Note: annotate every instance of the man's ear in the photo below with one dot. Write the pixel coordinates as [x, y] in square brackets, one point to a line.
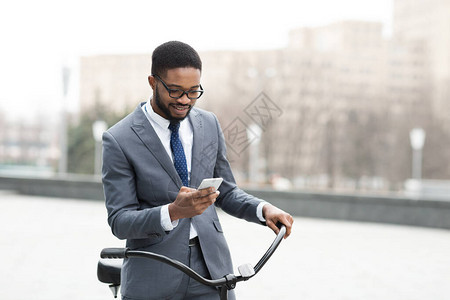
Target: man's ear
[152, 81]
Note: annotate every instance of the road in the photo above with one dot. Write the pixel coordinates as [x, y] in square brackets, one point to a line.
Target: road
[50, 248]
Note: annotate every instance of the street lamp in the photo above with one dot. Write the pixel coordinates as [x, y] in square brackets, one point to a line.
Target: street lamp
[254, 160]
[98, 127]
[417, 139]
[62, 168]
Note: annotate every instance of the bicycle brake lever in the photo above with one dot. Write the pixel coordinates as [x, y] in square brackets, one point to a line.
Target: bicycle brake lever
[246, 270]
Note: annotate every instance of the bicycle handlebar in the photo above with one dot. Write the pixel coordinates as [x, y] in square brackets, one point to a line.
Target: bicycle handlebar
[228, 280]
[114, 253]
[271, 249]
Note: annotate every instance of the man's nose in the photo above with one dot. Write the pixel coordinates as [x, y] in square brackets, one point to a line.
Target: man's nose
[184, 99]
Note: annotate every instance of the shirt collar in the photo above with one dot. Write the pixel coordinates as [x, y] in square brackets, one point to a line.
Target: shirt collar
[164, 123]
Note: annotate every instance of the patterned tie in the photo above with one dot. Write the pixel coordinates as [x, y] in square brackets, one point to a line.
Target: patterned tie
[179, 159]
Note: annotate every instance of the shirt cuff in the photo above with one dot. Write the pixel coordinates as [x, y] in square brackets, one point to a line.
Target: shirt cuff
[166, 224]
[259, 212]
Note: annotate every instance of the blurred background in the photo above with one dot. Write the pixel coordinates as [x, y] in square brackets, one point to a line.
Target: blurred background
[330, 110]
[334, 91]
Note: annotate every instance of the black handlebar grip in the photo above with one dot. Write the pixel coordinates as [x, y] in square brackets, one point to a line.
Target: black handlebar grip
[114, 253]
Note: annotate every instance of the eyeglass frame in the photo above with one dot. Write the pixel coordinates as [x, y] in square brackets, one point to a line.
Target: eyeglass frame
[169, 90]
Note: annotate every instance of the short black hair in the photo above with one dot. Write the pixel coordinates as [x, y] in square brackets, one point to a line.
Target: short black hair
[174, 54]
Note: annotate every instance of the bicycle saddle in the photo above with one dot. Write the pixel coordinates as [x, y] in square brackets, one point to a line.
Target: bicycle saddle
[108, 271]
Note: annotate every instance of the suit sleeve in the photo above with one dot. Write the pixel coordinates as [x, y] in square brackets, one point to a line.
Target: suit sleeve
[232, 199]
[125, 217]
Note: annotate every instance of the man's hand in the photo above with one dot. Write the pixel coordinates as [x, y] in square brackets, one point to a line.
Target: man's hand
[273, 215]
[191, 202]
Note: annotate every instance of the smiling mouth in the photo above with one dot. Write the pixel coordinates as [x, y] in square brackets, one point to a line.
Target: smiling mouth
[181, 107]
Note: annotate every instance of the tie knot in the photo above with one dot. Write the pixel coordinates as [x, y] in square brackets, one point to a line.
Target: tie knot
[174, 126]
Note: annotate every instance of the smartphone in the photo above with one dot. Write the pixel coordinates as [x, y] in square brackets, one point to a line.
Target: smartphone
[210, 182]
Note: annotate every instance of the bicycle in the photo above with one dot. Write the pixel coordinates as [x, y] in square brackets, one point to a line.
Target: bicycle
[109, 273]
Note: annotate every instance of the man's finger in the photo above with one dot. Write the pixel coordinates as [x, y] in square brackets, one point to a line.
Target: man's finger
[206, 191]
[272, 226]
[288, 231]
[186, 189]
[287, 222]
[209, 196]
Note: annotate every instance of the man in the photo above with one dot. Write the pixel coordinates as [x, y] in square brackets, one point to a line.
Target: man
[153, 160]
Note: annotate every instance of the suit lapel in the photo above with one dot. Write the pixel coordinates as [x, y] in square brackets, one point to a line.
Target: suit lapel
[195, 117]
[144, 130]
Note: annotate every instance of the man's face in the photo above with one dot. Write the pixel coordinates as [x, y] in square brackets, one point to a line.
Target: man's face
[187, 79]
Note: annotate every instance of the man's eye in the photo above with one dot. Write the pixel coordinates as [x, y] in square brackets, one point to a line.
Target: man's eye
[176, 93]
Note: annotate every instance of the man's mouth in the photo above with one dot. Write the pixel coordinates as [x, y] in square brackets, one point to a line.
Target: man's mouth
[181, 107]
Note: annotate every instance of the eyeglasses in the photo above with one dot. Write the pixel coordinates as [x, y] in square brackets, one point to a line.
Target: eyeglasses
[177, 93]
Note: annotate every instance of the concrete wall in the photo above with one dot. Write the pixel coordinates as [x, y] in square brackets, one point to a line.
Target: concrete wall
[70, 186]
[394, 210]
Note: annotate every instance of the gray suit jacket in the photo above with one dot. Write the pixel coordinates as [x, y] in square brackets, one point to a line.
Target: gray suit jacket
[139, 177]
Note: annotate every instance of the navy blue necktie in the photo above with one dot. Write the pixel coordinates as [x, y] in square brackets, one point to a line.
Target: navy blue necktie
[179, 159]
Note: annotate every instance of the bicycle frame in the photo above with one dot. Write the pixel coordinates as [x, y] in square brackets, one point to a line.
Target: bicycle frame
[226, 283]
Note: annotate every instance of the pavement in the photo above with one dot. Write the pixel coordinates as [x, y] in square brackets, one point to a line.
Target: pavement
[50, 248]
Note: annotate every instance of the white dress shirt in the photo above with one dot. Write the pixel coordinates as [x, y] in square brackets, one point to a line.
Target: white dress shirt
[186, 134]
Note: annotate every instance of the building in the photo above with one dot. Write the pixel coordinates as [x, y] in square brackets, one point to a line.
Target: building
[428, 23]
[336, 104]
[28, 147]
[117, 81]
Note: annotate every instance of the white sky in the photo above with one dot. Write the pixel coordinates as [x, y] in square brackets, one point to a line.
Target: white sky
[38, 37]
